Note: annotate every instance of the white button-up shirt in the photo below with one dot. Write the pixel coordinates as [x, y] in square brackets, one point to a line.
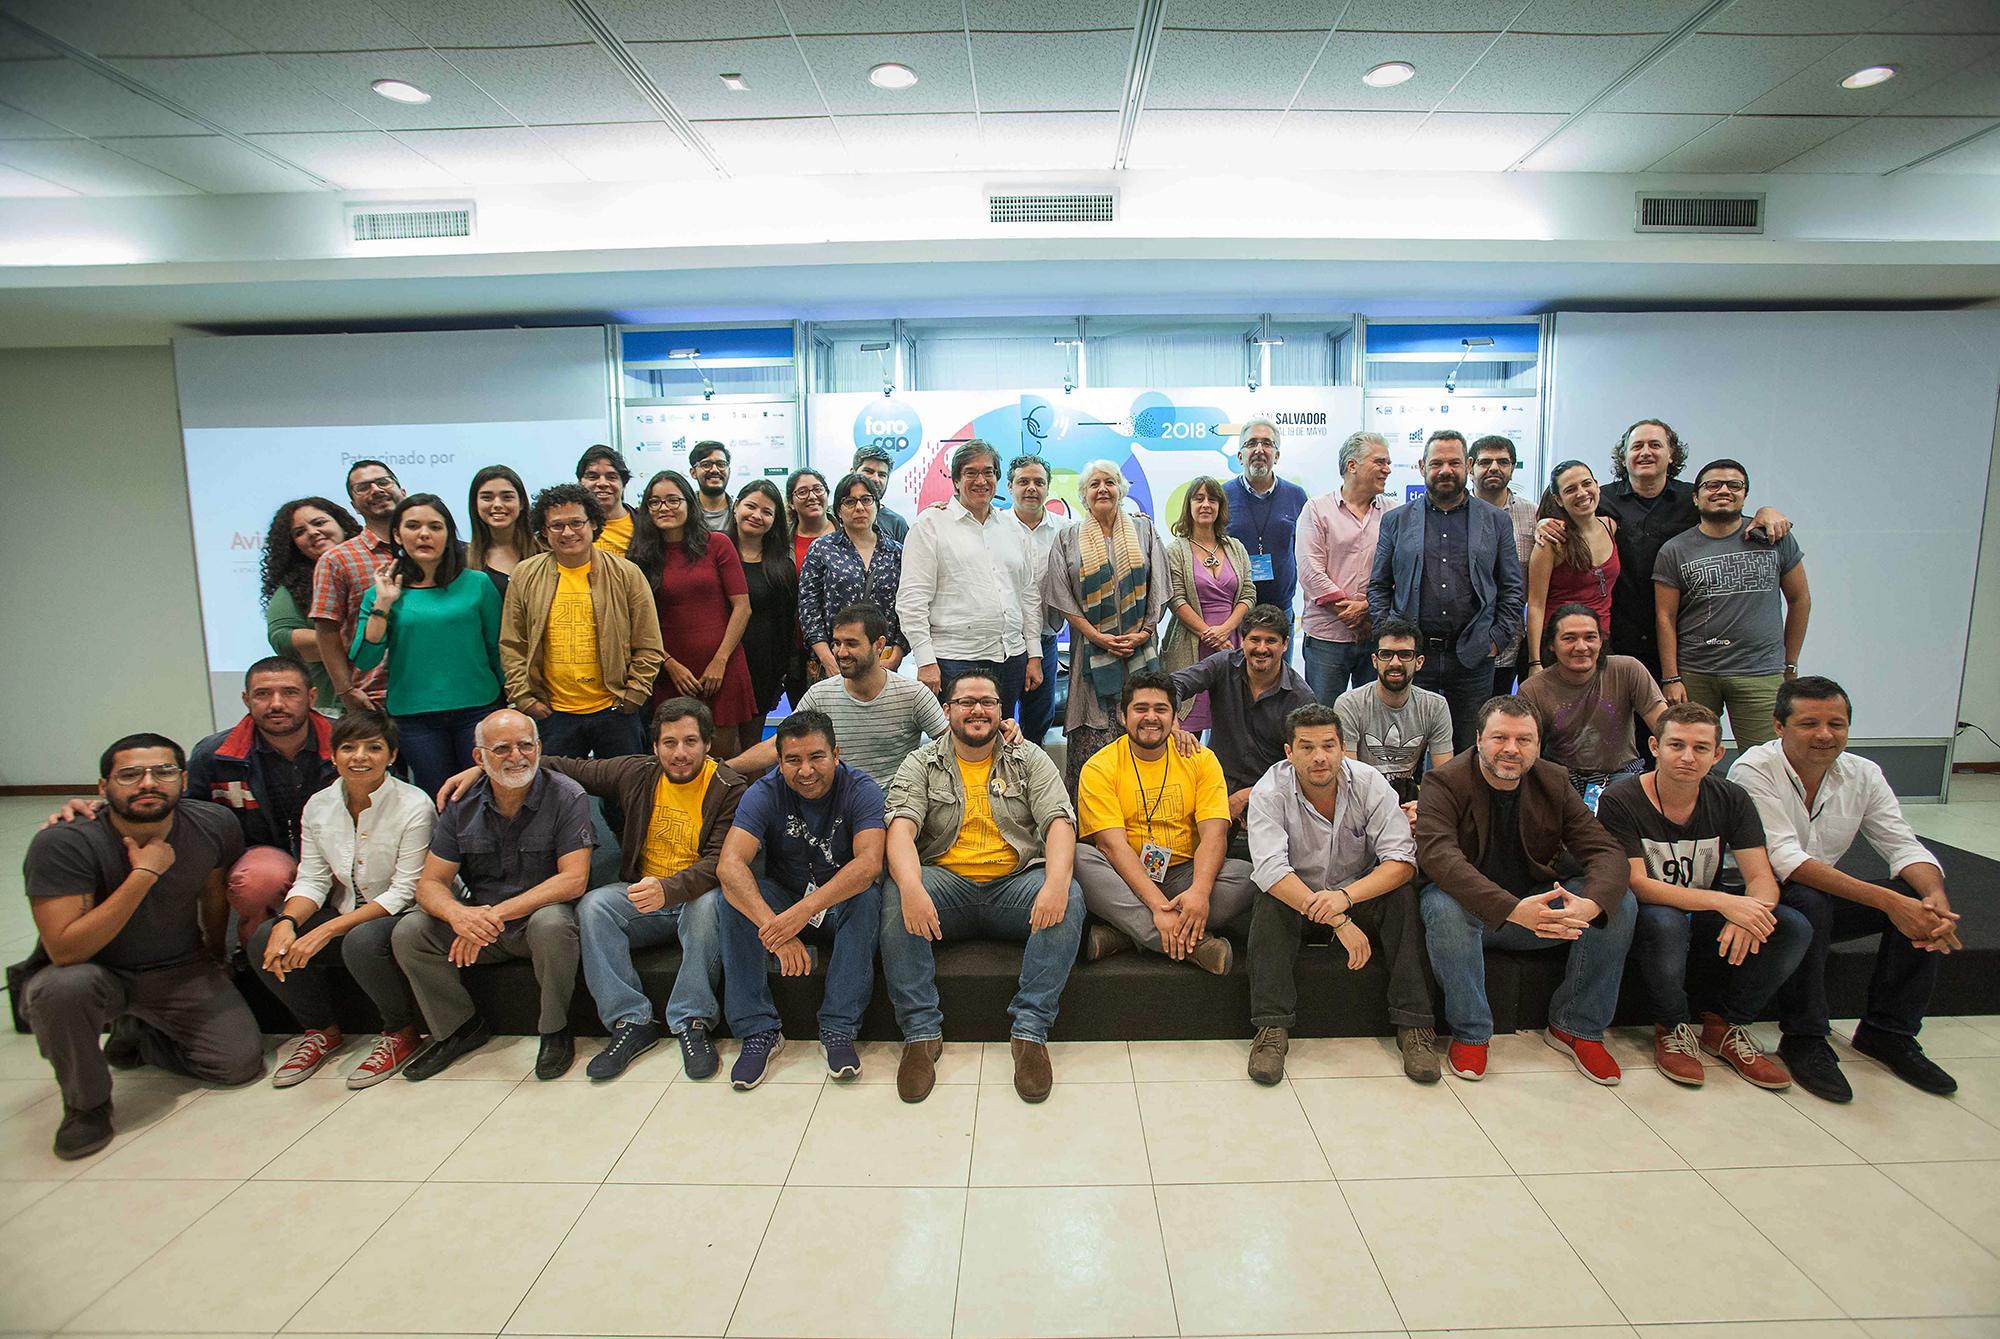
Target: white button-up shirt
[1854, 800]
[969, 588]
[376, 859]
[1043, 537]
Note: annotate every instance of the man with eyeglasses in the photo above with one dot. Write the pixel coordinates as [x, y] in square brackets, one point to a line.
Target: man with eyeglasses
[345, 574]
[1028, 490]
[982, 841]
[1731, 608]
[603, 473]
[1264, 514]
[1391, 724]
[709, 463]
[970, 598]
[875, 463]
[131, 911]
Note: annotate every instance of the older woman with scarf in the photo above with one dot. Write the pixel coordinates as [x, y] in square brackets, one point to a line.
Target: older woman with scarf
[1108, 575]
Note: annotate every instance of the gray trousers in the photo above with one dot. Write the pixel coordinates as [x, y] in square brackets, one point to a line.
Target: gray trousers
[192, 1019]
[1109, 898]
[370, 961]
[548, 938]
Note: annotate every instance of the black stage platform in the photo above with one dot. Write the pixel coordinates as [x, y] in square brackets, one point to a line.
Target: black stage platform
[1143, 997]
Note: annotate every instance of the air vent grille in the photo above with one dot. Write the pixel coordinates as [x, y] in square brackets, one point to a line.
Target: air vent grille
[1083, 207]
[407, 225]
[1700, 213]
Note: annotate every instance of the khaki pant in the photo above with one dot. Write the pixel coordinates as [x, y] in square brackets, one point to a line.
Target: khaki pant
[1751, 699]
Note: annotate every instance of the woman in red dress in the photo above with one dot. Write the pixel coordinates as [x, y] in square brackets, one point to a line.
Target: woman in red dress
[704, 605]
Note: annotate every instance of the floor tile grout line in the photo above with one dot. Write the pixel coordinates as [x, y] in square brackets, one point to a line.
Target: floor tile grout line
[1153, 1185]
[965, 1205]
[554, 1251]
[772, 1217]
[1348, 1204]
[1782, 1252]
[1575, 1254]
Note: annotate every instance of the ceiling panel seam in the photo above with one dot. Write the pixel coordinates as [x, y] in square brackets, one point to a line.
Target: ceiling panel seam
[1138, 75]
[1466, 74]
[1939, 153]
[799, 47]
[655, 96]
[1313, 64]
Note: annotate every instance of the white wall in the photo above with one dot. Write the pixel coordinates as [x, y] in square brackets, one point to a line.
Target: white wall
[102, 626]
[1981, 703]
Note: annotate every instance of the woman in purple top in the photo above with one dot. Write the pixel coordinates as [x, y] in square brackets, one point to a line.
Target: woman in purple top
[1212, 589]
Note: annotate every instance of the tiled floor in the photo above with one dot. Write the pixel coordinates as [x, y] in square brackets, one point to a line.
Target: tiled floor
[1158, 1192]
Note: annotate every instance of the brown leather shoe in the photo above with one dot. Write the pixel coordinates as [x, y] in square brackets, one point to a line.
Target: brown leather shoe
[1033, 1076]
[1101, 941]
[917, 1074]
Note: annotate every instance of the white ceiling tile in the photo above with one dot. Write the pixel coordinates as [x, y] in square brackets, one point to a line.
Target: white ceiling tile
[1070, 72]
[1973, 91]
[493, 23]
[1751, 143]
[456, 102]
[921, 143]
[324, 25]
[835, 17]
[786, 145]
[558, 85]
[1545, 74]
[126, 27]
[17, 124]
[1803, 16]
[68, 95]
[18, 45]
[90, 169]
[691, 20]
[1048, 141]
[1430, 16]
[214, 163]
[637, 151]
[841, 65]
[499, 156]
[1944, 16]
[1321, 141]
[1051, 16]
[243, 93]
[1718, 74]
[18, 185]
[1608, 16]
[1238, 16]
[1442, 59]
[1883, 143]
[1469, 142]
[691, 74]
[1237, 71]
[1979, 158]
[1920, 60]
[365, 161]
[1204, 140]
[1617, 142]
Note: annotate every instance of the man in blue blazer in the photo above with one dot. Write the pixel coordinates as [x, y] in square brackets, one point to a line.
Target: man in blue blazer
[1446, 562]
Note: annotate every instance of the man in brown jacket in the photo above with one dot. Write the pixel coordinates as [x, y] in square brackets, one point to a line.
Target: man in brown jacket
[1514, 859]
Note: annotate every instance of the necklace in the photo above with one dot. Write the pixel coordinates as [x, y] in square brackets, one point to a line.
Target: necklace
[1210, 558]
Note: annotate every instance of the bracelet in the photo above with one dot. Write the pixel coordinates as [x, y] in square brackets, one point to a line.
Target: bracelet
[287, 919]
[1792, 668]
[1671, 678]
[1349, 899]
[1345, 919]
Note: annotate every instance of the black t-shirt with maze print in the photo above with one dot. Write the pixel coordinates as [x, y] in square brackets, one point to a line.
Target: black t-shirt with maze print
[1686, 855]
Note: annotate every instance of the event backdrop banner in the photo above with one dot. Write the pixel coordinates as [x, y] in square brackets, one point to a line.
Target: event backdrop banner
[762, 437]
[1162, 439]
[1408, 419]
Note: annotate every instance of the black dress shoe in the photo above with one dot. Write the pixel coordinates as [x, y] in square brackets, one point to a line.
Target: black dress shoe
[1905, 1059]
[1815, 1068]
[83, 1132]
[434, 1059]
[558, 1053]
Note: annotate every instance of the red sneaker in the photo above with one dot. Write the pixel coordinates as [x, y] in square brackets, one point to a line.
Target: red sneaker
[1592, 1060]
[1676, 1055]
[392, 1051]
[307, 1056]
[1740, 1051]
[1468, 1061]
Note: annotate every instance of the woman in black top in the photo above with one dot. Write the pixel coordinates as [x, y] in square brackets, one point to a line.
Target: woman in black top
[771, 641]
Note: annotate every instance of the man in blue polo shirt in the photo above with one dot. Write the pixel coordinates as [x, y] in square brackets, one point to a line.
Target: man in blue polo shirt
[819, 824]
[1264, 513]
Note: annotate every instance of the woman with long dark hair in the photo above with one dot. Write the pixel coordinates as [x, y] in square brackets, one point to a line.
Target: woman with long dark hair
[1580, 568]
[301, 531]
[756, 523]
[1208, 570]
[704, 606]
[497, 505]
[438, 622]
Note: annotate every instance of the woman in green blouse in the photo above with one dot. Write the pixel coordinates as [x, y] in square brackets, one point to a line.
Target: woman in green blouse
[438, 623]
[301, 531]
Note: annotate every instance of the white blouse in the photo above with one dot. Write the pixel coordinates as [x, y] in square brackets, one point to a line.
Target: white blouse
[374, 860]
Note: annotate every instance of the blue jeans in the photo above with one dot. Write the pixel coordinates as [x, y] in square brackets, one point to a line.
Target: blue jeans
[1582, 1006]
[1000, 910]
[1334, 667]
[854, 926]
[612, 929]
[436, 744]
[1011, 675]
[1465, 687]
[1038, 705]
[1590, 785]
[1661, 945]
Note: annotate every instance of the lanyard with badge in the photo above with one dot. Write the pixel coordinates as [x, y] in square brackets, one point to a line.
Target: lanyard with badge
[821, 842]
[1262, 566]
[1152, 855]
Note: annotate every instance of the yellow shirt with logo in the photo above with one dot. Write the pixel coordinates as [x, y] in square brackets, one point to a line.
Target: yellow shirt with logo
[673, 837]
[617, 535]
[569, 647]
[1117, 790]
[980, 854]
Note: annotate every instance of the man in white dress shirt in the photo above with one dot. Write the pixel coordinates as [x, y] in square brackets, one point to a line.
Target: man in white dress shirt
[969, 598]
[1815, 798]
[1028, 487]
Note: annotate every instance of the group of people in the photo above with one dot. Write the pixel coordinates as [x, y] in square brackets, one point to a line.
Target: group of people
[1396, 801]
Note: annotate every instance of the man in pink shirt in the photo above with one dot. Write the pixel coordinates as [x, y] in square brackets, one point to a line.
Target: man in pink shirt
[1336, 547]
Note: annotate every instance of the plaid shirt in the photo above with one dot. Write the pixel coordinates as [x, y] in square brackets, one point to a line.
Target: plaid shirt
[345, 573]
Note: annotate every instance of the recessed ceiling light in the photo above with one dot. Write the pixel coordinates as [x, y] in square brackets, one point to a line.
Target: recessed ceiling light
[1389, 74]
[735, 83]
[1869, 76]
[891, 75]
[396, 90]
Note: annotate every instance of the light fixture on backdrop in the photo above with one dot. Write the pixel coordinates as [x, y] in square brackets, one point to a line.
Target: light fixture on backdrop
[1466, 346]
[693, 359]
[881, 352]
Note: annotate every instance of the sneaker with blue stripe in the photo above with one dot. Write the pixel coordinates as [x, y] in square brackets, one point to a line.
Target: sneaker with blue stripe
[754, 1061]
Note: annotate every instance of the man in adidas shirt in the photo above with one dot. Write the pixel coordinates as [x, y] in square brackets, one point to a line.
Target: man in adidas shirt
[1391, 724]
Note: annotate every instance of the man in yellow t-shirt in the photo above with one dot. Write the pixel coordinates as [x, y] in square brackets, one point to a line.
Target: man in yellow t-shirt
[1155, 826]
[982, 841]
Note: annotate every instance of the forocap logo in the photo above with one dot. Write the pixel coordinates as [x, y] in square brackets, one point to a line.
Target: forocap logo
[890, 424]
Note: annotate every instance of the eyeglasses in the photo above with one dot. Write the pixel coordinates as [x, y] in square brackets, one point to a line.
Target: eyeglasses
[1725, 486]
[665, 503]
[1259, 441]
[132, 776]
[803, 494]
[858, 500]
[978, 472]
[1393, 656]
[373, 486]
[524, 748]
[566, 527]
[975, 702]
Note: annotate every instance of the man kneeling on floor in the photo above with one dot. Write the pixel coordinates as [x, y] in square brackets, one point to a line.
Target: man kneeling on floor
[1491, 825]
[1155, 826]
[132, 909]
[1333, 846]
[981, 841]
[819, 823]
[519, 840]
